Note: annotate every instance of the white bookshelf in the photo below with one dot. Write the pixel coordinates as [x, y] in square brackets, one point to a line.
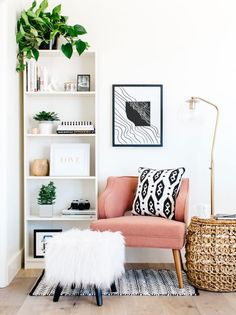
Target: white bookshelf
[69, 106]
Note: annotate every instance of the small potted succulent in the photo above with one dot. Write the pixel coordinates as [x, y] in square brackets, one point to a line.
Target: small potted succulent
[46, 200]
[46, 120]
[38, 29]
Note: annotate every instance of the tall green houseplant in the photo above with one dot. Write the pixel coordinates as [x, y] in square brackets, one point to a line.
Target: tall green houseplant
[37, 28]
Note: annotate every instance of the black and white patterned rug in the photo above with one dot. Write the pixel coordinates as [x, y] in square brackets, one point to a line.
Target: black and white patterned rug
[144, 282]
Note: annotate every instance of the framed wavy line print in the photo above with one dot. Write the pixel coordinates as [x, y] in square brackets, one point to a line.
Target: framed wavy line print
[137, 115]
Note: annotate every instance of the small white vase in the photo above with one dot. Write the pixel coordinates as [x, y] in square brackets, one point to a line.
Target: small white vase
[45, 211]
[46, 127]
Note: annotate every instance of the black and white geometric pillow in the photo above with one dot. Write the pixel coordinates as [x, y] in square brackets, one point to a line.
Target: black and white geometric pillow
[157, 192]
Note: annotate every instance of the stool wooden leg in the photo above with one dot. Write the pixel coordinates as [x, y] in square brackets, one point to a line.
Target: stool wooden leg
[113, 287]
[57, 293]
[98, 293]
[177, 259]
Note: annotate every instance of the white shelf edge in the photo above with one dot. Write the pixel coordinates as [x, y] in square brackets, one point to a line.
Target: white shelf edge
[92, 93]
[61, 135]
[63, 218]
[59, 177]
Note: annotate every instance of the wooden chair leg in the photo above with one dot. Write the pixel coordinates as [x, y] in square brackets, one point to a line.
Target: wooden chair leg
[177, 259]
[98, 293]
[57, 293]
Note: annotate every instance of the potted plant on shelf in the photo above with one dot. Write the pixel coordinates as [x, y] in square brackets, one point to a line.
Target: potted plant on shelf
[37, 29]
[46, 200]
[46, 120]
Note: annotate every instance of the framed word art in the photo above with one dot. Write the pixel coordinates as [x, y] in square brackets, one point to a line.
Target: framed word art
[70, 159]
[137, 115]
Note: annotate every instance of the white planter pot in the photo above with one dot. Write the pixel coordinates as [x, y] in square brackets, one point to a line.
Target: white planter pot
[45, 211]
[46, 127]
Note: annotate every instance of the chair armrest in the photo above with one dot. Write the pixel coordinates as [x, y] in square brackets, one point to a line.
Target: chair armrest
[181, 207]
[117, 197]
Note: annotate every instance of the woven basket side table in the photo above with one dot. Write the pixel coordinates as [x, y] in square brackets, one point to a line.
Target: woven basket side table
[211, 254]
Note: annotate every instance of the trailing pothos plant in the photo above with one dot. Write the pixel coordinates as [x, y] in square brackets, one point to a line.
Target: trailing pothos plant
[35, 27]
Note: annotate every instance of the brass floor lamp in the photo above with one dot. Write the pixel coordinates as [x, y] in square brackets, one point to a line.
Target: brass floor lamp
[192, 104]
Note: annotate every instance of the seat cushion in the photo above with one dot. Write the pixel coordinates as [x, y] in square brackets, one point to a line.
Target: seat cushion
[145, 231]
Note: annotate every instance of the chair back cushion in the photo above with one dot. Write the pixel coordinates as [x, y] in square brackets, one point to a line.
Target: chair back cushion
[117, 197]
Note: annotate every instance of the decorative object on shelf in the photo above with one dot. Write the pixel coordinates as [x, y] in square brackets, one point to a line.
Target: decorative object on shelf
[34, 131]
[70, 127]
[37, 29]
[80, 204]
[70, 87]
[46, 200]
[80, 207]
[83, 82]
[40, 167]
[211, 254]
[41, 239]
[46, 120]
[192, 104]
[70, 159]
[137, 115]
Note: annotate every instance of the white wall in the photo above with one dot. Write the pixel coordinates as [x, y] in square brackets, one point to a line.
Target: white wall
[10, 159]
[188, 46]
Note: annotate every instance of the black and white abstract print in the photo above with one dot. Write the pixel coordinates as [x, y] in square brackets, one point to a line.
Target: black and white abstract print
[137, 115]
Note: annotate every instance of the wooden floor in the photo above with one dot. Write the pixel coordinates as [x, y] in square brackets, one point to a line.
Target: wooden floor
[15, 300]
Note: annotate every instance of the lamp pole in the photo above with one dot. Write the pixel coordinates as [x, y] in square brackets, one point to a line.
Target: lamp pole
[192, 102]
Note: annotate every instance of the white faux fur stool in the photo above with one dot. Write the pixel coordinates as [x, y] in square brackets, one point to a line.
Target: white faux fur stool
[84, 257]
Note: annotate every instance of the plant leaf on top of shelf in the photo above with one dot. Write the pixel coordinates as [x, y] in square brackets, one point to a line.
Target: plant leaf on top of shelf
[67, 50]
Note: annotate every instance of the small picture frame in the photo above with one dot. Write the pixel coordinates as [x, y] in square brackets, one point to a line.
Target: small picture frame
[41, 238]
[70, 159]
[83, 82]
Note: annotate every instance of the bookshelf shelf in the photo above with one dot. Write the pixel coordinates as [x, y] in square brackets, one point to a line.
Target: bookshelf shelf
[60, 135]
[61, 93]
[60, 177]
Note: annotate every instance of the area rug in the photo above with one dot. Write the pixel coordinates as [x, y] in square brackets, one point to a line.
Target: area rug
[146, 282]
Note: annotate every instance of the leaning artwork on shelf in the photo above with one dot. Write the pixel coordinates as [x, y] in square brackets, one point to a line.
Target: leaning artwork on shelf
[70, 159]
[137, 115]
[41, 239]
[83, 82]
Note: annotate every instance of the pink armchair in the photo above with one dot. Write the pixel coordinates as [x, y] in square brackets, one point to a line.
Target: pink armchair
[142, 231]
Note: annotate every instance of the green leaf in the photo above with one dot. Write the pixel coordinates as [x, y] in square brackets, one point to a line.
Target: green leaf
[33, 5]
[42, 7]
[80, 30]
[28, 54]
[34, 32]
[19, 36]
[57, 9]
[35, 53]
[25, 17]
[22, 30]
[31, 14]
[80, 46]
[67, 50]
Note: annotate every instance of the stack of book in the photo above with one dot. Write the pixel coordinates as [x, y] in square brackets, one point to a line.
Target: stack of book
[36, 77]
[70, 127]
[82, 213]
[223, 216]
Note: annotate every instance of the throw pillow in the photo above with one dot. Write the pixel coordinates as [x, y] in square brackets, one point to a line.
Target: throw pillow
[157, 192]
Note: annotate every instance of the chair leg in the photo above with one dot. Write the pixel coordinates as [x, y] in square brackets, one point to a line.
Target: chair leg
[177, 259]
[57, 293]
[98, 293]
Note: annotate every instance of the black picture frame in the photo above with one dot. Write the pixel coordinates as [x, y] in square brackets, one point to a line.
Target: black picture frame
[83, 83]
[137, 115]
[38, 233]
